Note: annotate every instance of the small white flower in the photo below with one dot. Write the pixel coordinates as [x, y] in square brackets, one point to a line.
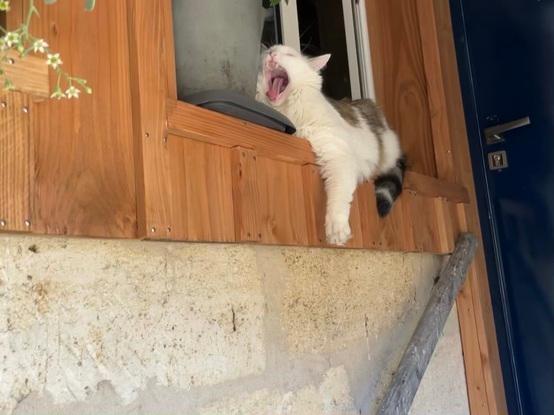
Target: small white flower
[39, 45]
[11, 38]
[58, 94]
[53, 60]
[4, 5]
[72, 92]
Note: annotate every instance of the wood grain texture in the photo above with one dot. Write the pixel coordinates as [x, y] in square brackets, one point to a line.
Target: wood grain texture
[15, 162]
[29, 74]
[152, 64]
[246, 198]
[195, 123]
[431, 29]
[482, 362]
[400, 79]
[201, 196]
[84, 170]
[282, 202]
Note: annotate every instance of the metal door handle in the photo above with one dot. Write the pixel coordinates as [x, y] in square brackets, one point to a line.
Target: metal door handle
[493, 134]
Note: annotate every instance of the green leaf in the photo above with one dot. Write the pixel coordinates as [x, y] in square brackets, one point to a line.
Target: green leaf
[89, 5]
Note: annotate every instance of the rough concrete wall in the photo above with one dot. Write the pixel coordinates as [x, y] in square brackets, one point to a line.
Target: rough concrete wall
[110, 327]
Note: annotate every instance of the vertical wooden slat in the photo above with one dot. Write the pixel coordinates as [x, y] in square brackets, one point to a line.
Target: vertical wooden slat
[399, 77]
[282, 203]
[246, 198]
[201, 206]
[84, 173]
[315, 200]
[15, 162]
[444, 229]
[153, 81]
[438, 102]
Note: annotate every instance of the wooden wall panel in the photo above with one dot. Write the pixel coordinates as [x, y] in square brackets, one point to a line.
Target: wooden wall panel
[246, 197]
[15, 162]
[400, 78]
[84, 169]
[29, 75]
[201, 195]
[282, 202]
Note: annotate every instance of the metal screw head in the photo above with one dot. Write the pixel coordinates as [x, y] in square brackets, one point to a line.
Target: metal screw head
[27, 223]
[25, 110]
[11, 61]
[2, 223]
[147, 134]
[3, 105]
[153, 229]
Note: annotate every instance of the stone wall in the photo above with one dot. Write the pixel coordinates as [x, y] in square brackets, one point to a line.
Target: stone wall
[112, 327]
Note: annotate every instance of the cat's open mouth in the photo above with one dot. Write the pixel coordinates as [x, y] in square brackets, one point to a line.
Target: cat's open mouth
[278, 81]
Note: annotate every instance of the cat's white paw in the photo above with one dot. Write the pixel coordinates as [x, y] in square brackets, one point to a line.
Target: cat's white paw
[337, 230]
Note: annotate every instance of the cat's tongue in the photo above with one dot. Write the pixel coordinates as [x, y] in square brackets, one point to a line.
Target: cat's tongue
[276, 88]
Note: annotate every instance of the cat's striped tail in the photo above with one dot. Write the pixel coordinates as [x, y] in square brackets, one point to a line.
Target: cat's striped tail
[388, 186]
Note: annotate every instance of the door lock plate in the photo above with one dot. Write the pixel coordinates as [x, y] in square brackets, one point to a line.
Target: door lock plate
[498, 160]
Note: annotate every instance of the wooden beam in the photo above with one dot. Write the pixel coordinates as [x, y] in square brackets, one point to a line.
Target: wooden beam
[415, 360]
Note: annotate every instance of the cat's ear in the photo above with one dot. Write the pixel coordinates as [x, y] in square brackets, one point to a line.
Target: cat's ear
[320, 62]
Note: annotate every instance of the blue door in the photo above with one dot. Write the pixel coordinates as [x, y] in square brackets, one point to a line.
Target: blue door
[506, 59]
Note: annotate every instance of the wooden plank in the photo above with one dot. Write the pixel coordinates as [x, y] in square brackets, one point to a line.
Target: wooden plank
[315, 205]
[197, 123]
[484, 375]
[400, 79]
[15, 162]
[28, 74]
[445, 229]
[84, 173]
[282, 203]
[153, 81]
[201, 206]
[393, 233]
[432, 187]
[405, 383]
[423, 217]
[246, 198]
[438, 102]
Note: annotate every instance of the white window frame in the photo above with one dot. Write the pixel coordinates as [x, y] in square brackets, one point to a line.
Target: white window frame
[357, 42]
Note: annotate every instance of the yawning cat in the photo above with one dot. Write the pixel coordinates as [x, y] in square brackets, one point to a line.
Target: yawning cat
[351, 139]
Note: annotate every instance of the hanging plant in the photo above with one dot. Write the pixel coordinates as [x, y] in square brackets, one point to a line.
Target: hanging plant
[23, 42]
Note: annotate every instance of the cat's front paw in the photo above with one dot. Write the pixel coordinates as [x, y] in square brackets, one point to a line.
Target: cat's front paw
[337, 230]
